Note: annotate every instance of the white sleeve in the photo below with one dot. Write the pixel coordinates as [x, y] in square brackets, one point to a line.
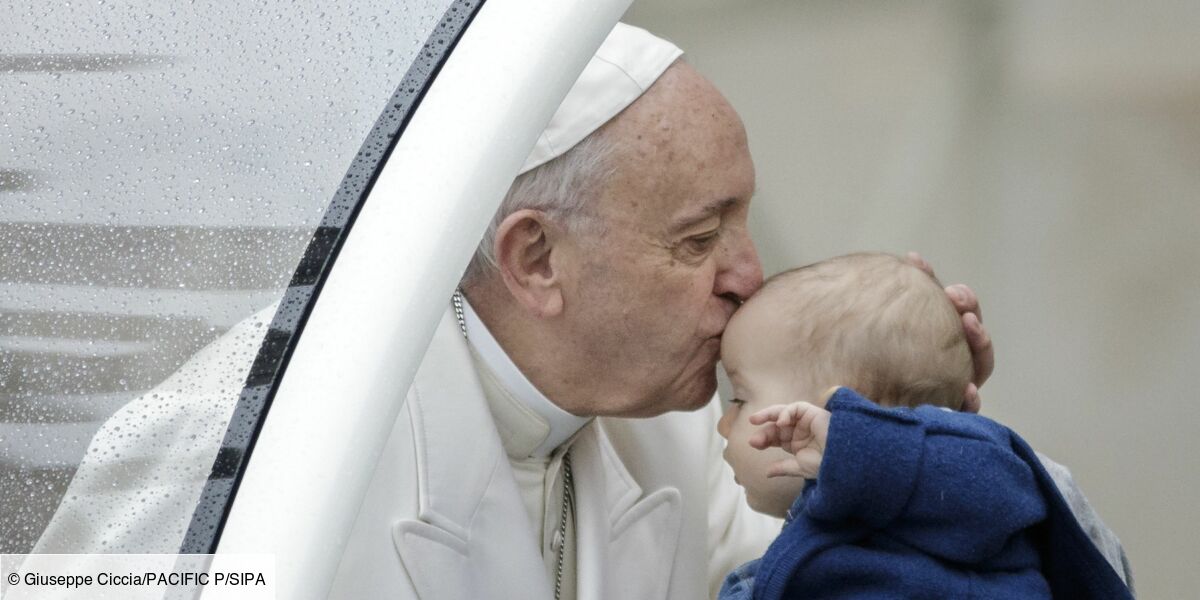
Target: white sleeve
[1103, 537]
[144, 470]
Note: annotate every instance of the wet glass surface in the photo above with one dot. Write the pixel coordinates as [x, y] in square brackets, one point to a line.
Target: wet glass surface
[164, 168]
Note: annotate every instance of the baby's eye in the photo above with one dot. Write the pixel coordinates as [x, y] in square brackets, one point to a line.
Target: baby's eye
[736, 401]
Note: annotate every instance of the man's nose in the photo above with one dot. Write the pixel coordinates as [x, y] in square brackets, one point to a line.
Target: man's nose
[740, 273]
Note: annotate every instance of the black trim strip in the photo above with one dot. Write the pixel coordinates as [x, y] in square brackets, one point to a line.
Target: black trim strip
[212, 511]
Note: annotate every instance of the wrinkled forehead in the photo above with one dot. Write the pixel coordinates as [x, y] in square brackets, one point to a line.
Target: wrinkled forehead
[679, 151]
[682, 109]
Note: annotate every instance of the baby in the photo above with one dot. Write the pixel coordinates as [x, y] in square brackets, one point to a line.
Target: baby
[882, 501]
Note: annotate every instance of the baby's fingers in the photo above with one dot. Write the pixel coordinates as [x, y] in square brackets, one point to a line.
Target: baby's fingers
[765, 437]
[770, 413]
[789, 415]
[785, 468]
[783, 415]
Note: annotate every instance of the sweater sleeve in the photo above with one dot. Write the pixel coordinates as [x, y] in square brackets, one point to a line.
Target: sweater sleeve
[946, 483]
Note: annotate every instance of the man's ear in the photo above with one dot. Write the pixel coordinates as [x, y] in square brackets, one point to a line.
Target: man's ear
[525, 245]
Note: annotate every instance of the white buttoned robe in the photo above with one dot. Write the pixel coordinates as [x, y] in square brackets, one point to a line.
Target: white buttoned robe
[658, 513]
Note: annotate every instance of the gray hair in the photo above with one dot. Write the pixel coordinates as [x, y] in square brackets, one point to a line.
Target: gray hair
[561, 188]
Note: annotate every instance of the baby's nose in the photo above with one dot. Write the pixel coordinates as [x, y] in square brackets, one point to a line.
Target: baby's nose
[723, 425]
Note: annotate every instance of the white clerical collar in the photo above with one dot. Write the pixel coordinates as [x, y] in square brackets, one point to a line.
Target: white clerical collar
[562, 424]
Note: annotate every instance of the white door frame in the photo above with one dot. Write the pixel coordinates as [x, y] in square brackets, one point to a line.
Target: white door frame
[368, 330]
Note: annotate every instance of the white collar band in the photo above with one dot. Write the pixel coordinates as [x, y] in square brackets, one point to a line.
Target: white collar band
[562, 424]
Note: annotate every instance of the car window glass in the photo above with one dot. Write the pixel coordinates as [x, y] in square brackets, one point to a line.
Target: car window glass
[167, 167]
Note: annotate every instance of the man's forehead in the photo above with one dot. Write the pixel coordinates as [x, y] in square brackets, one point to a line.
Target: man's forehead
[670, 195]
[690, 216]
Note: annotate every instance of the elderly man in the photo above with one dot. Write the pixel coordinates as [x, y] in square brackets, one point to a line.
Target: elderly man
[538, 455]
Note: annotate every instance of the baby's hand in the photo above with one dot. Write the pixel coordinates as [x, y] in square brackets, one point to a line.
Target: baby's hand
[799, 428]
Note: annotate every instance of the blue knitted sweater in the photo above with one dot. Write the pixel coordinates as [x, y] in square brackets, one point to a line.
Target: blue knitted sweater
[927, 503]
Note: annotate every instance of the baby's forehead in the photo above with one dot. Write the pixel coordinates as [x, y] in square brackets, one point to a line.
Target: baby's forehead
[789, 309]
[760, 310]
[762, 329]
[781, 290]
[781, 297]
[824, 286]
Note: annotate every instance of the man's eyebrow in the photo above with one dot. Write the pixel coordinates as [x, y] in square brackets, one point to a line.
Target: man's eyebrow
[704, 213]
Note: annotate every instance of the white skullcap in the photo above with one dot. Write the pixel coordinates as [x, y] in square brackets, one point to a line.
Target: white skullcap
[628, 62]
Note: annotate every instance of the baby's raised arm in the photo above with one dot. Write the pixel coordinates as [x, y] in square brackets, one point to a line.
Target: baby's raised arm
[801, 429]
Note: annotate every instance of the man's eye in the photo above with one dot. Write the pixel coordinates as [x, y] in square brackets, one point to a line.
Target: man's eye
[702, 243]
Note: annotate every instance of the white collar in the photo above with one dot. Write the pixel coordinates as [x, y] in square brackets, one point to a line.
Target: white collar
[562, 424]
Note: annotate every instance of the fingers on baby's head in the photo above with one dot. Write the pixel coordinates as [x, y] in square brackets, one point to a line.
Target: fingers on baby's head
[919, 262]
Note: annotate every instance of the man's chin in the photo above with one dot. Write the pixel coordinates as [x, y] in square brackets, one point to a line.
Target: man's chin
[696, 395]
[703, 387]
[699, 399]
[690, 402]
[699, 404]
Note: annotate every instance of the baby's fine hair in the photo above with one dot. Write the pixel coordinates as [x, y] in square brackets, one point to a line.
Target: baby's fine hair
[876, 323]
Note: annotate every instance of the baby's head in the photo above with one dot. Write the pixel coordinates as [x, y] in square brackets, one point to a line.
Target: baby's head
[871, 322]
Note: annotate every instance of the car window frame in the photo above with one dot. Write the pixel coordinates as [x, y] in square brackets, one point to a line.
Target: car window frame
[270, 364]
[311, 467]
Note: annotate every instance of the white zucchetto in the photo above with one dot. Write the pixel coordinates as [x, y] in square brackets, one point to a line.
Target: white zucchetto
[628, 62]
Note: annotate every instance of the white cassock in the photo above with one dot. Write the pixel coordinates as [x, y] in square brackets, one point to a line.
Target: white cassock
[458, 510]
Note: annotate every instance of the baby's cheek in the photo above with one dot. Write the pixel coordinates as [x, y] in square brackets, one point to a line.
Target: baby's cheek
[773, 498]
[768, 495]
[782, 490]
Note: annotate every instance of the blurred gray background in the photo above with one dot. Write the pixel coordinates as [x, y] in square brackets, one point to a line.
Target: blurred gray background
[1047, 154]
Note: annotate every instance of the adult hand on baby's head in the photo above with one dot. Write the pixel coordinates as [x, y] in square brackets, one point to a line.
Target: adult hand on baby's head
[800, 429]
[982, 354]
